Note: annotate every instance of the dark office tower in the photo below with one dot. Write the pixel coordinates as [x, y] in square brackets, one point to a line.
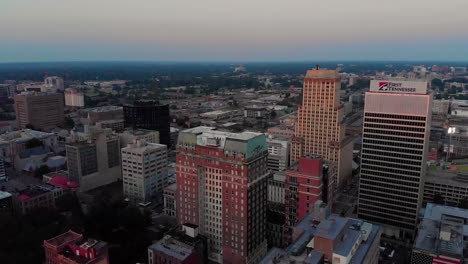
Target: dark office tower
[149, 114]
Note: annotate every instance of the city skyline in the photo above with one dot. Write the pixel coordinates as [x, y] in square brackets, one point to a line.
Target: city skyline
[240, 31]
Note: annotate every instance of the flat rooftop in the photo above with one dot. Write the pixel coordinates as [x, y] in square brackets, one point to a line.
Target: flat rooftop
[211, 131]
[106, 108]
[4, 195]
[171, 247]
[322, 74]
[23, 135]
[64, 238]
[441, 231]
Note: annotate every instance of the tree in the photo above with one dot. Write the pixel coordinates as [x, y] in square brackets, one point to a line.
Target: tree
[174, 107]
[273, 114]
[437, 83]
[438, 199]
[34, 142]
[69, 123]
[463, 203]
[43, 169]
[287, 94]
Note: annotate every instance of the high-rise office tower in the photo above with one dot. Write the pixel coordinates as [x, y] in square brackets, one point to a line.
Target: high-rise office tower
[397, 120]
[144, 171]
[222, 188]
[319, 128]
[149, 114]
[39, 110]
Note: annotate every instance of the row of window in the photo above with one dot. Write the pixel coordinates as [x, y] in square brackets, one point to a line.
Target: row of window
[395, 122]
[393, 139]
[394, 133]
[387, 194]
[391, 143]
[388, 159]
[392, 127]
[393, 165]
[385, 151]
[395, 179]
[407, 117]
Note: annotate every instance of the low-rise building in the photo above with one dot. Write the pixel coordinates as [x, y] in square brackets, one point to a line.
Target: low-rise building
[6, 203]
[451, 185]
[218, 114]
[184, 246]
[15, 142]
[320, 238]
[442, 236]
[34, 197]
[72, 248]
[256, 112]
[170, 204]
[102, 113]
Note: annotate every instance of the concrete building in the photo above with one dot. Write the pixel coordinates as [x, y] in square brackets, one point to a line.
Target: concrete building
[456, 142]
[116, 125]
[218, 114]
[222, 188]
[39, 110]
[15, 142]
[96, 114]
[74, 98]
[281, 130]
[34, 197]
[72, 248]
[54, 82]
[131, 135]
[278, 153]
[2, 170]
[450, 184]
[256, 112]
[94, 159]
[320, 238]
[144, 171]
[442, 236]
[149, 114]
[6, 203]
[396, 128]
[170, 201]
[319, 128]
[184, 246]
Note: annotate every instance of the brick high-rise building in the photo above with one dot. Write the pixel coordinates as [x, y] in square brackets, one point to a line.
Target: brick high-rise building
[319, 128]
[395, 141]
[222, 187]
[149, 114]
[39, 110]
[72, 248]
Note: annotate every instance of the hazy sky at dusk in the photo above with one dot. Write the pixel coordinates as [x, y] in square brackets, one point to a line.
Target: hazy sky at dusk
[208, 30]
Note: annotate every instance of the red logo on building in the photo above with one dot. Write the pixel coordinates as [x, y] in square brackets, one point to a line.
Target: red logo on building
[383, 86]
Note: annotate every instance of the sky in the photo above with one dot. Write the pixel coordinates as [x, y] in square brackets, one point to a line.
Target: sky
[241, 30]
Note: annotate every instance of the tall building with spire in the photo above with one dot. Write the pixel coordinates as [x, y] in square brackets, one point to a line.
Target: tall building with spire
[319, 128]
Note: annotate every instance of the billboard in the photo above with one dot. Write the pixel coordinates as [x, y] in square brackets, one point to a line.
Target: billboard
[407, 87]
